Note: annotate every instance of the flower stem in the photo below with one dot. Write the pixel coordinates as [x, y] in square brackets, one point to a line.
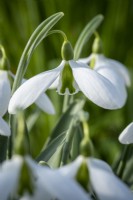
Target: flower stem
[123, 160]
[58, 31]
[65, 103]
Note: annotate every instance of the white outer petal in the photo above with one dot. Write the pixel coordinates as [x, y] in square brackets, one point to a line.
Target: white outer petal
[126, 137]
[116, 80]
[104, 182]
[54, 84]
[115, 65]
[5, 92]
[45, 104]
[4, 128]
[71, 169]
[9, 175]
[97, 88]
[30, 90]
[106, 185]
[52, 185]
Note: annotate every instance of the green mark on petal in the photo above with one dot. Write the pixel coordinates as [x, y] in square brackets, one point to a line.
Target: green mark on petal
[67, 80]
[82, 175]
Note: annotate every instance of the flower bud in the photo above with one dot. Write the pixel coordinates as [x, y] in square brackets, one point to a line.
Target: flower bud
[67, 51]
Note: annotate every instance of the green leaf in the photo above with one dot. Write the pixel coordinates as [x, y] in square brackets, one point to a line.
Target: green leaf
[78, 135]
[55, 159]
[86, 34]
[65, 120]
[47, 152]
[37, 36]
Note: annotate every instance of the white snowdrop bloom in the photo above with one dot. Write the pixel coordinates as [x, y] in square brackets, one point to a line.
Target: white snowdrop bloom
[104, 182]
[5, 92]
[101, 60]
[4, 128]
[102, 86]
[47, 183]
[126, 137]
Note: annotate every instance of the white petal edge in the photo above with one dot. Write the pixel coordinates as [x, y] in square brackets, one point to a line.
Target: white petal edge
[96, 87]
[115, 65]
[5, 92]
[116, 80]
[30, 90]
[126, 137]
[105, 183]
[53, 186]
[9, 175]
[4, 128]
[59, 187]
[45, 104]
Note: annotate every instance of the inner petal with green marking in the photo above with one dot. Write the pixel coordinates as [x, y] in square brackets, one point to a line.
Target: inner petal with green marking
[67, 84]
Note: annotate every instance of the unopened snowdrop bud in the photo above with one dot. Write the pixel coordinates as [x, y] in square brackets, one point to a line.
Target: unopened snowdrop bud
[67, 51]
[3, 59]
[82, 175]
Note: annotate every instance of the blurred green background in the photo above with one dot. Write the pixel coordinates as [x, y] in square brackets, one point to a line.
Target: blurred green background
[19, 18]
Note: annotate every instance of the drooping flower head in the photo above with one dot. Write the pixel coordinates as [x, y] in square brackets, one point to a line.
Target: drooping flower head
[101, 86]
[104, 183]
[5, 92]
[22, 178]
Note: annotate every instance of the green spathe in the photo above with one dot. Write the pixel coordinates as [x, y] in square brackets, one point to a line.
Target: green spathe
[67, 51]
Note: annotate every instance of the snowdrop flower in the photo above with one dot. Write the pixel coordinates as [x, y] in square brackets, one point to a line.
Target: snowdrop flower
[102, 61]
[5, 94]
[46, 183]
[104, 182]
[70, 77]
[126, 137]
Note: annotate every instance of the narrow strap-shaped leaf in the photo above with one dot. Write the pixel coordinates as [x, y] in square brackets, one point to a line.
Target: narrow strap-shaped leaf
[78, 135]
[47, 153]
[86, 34]
[36, 37]
[65, 120]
